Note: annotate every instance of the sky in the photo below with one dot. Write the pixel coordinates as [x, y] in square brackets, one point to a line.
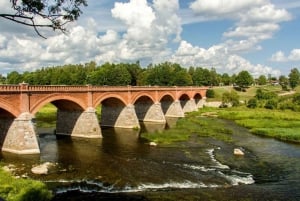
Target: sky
[260, 36]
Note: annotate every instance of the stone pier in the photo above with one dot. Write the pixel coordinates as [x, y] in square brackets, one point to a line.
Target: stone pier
[78, 123]
[119, 116]
[150, 113]
[20, 137]
[175, 110]
[189, 106]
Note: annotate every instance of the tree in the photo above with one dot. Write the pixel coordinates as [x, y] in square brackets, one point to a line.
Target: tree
[34, 13]
[230, 98]
[294, 78]
[244, 79]
[284, 82]
[262, 80]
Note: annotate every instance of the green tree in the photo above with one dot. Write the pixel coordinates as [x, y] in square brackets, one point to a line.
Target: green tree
[230, 98]
[244, 79]
[284, 82]
[55, 14]
[294, 78]
[14, 78]
[262, 80]
[226, 79]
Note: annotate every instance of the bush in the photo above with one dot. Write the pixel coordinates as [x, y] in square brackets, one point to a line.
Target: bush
[210, 93]
[230, 98]
[265, 95]
[271, 104]
[252, 103]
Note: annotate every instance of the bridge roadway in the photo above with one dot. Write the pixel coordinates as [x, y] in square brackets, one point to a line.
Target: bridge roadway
[76, 115]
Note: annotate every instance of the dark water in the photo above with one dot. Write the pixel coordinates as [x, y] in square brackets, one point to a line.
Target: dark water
[122, 166]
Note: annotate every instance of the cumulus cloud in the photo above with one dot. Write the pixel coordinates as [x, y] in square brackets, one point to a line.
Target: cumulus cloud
[219, 58]
[222, 7]
[279, 56]
[146, 30]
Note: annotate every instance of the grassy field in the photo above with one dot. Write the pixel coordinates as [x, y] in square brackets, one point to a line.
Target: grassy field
[12, 189]
[282, 125]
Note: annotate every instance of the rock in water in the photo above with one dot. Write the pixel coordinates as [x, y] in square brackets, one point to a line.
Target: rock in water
[238, 152]
[41, 169]
[153, 144]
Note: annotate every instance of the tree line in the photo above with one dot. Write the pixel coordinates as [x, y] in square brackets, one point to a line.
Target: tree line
[123, 74]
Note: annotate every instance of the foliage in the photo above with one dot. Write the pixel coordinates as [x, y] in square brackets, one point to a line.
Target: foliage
[12, 189]
[284, 82]
[265, 95]
[294, 78]
[262, 80]
[244, 79]
[230, 98]
[210, 93]
[271, 104]
[49, 14]
[252, 103]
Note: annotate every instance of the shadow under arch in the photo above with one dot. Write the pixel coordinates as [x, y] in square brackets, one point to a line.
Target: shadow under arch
[6, 120]
[184, 98]
[67, 115]
[197, 98]
[166, 101]
[111, 109]
[142, 106]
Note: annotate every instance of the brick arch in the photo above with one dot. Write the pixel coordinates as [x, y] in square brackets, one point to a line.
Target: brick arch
[140, 95]
[107, 96]
[166, 94]
[56, 97]
[9, 108]
[184, 95]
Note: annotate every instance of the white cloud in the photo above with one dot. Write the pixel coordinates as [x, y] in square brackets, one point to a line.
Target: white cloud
[219, 58]
[221, 7]
[279, 56]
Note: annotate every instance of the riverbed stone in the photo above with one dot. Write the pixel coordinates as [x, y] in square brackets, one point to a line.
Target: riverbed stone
[238, 152]
[41, 169]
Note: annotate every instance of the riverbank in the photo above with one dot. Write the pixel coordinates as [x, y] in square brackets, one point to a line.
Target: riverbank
[19, 189]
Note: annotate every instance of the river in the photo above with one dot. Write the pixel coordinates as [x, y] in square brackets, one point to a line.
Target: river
[122, 166]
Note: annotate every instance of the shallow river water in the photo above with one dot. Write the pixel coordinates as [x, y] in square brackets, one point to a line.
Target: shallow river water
[122, 166]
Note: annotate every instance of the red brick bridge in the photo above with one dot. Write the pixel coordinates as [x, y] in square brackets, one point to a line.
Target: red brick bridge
[76, 116]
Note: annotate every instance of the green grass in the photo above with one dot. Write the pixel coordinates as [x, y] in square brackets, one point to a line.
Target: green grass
[12, 189]
[192, 125]
[283, 125]
[46, 117]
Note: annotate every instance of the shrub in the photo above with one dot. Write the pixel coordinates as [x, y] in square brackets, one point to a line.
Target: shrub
[265, 95]
[210, 93]
[252, 103]
[271, 104]
[230, 98]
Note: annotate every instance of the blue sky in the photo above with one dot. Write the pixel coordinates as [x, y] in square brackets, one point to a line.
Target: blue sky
[260, 36]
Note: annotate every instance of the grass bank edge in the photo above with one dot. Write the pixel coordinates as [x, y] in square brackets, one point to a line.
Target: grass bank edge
[279, 124]
[19, 189]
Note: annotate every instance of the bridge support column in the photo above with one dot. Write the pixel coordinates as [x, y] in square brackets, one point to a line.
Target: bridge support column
[78, 123]
[20, 136]
[175, 110]
[119, 116]
[201, 103]
[151, 113]
[190, 106]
